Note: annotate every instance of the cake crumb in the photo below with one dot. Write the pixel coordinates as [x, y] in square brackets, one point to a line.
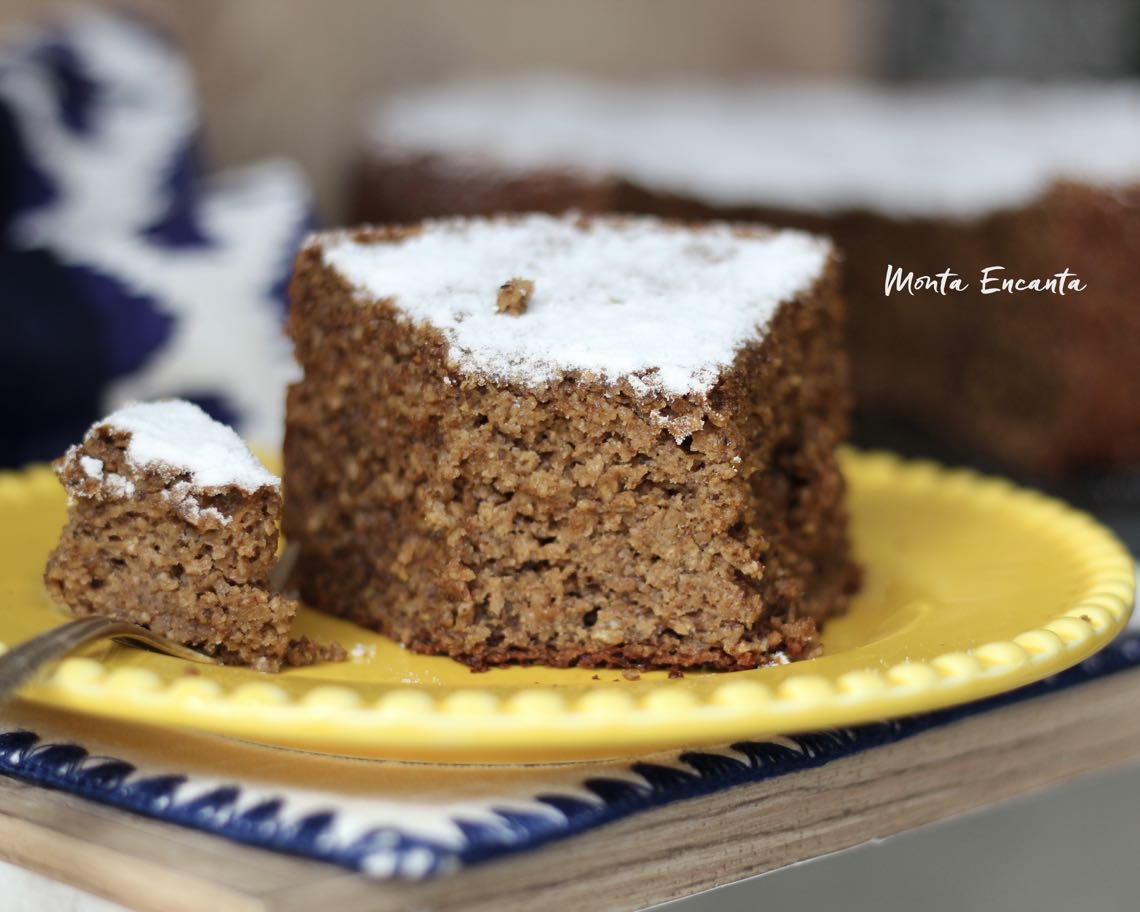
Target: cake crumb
[514, 296]
[631, 674]
[361, 651]
[303, 651]
[676, 673]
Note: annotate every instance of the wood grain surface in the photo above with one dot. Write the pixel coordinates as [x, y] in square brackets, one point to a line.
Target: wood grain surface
[659, 855]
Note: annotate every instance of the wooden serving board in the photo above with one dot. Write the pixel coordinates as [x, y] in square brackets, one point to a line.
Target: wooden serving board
[659, 855]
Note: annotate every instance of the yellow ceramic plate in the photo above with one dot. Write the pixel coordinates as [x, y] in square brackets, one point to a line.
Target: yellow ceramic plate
[973, 587]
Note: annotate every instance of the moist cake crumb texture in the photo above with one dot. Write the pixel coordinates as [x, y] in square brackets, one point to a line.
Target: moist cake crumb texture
[172, 525]
[636, 471]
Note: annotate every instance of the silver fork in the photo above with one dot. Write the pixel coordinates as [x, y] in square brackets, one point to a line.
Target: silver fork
[20, 664]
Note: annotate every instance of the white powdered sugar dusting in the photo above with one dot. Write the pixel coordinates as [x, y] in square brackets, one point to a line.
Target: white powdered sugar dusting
[92, 468]
[182, 496]
[119, 485]
[957, 151]
[111, 482]
[663, 306]
[179, 436]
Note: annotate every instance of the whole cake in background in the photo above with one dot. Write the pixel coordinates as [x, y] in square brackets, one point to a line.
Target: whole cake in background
[126, 271]
[1032, 179]
[594, 442]
[172, 525]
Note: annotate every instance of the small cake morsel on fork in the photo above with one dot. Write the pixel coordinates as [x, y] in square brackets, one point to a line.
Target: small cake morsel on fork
[172, 524]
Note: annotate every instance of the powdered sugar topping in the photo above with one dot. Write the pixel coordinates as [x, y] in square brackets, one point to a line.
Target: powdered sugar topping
[93, 468]
[663, 306]
[179, 436]
[958, 151]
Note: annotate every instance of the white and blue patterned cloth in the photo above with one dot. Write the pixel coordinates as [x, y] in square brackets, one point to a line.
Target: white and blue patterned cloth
[415, 820]
[125, 271]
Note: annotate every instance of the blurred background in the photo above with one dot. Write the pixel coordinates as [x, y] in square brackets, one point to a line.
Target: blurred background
[296, 77]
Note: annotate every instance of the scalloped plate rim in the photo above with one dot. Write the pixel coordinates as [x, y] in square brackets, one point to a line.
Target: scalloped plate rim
[534, 723]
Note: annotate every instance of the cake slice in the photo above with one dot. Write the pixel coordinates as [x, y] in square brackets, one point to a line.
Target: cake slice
[173, 525]
[594, 442]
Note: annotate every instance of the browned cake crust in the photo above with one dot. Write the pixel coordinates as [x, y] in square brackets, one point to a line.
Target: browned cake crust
[562, 524]
[1042, 384]
[195, 580]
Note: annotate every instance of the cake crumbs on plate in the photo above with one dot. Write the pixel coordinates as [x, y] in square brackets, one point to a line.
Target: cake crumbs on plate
[302, 651]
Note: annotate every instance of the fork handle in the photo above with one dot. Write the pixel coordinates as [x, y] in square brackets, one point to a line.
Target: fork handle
[19, 664]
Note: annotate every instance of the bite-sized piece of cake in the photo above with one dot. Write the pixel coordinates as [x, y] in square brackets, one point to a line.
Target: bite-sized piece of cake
[1034, 179]
[173, 525]
[596, 442]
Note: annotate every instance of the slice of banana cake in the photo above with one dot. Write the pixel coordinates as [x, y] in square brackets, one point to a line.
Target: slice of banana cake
[569, 441]
[172, 525]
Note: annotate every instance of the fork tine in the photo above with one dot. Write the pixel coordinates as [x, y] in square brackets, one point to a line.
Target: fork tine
[20, 664]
